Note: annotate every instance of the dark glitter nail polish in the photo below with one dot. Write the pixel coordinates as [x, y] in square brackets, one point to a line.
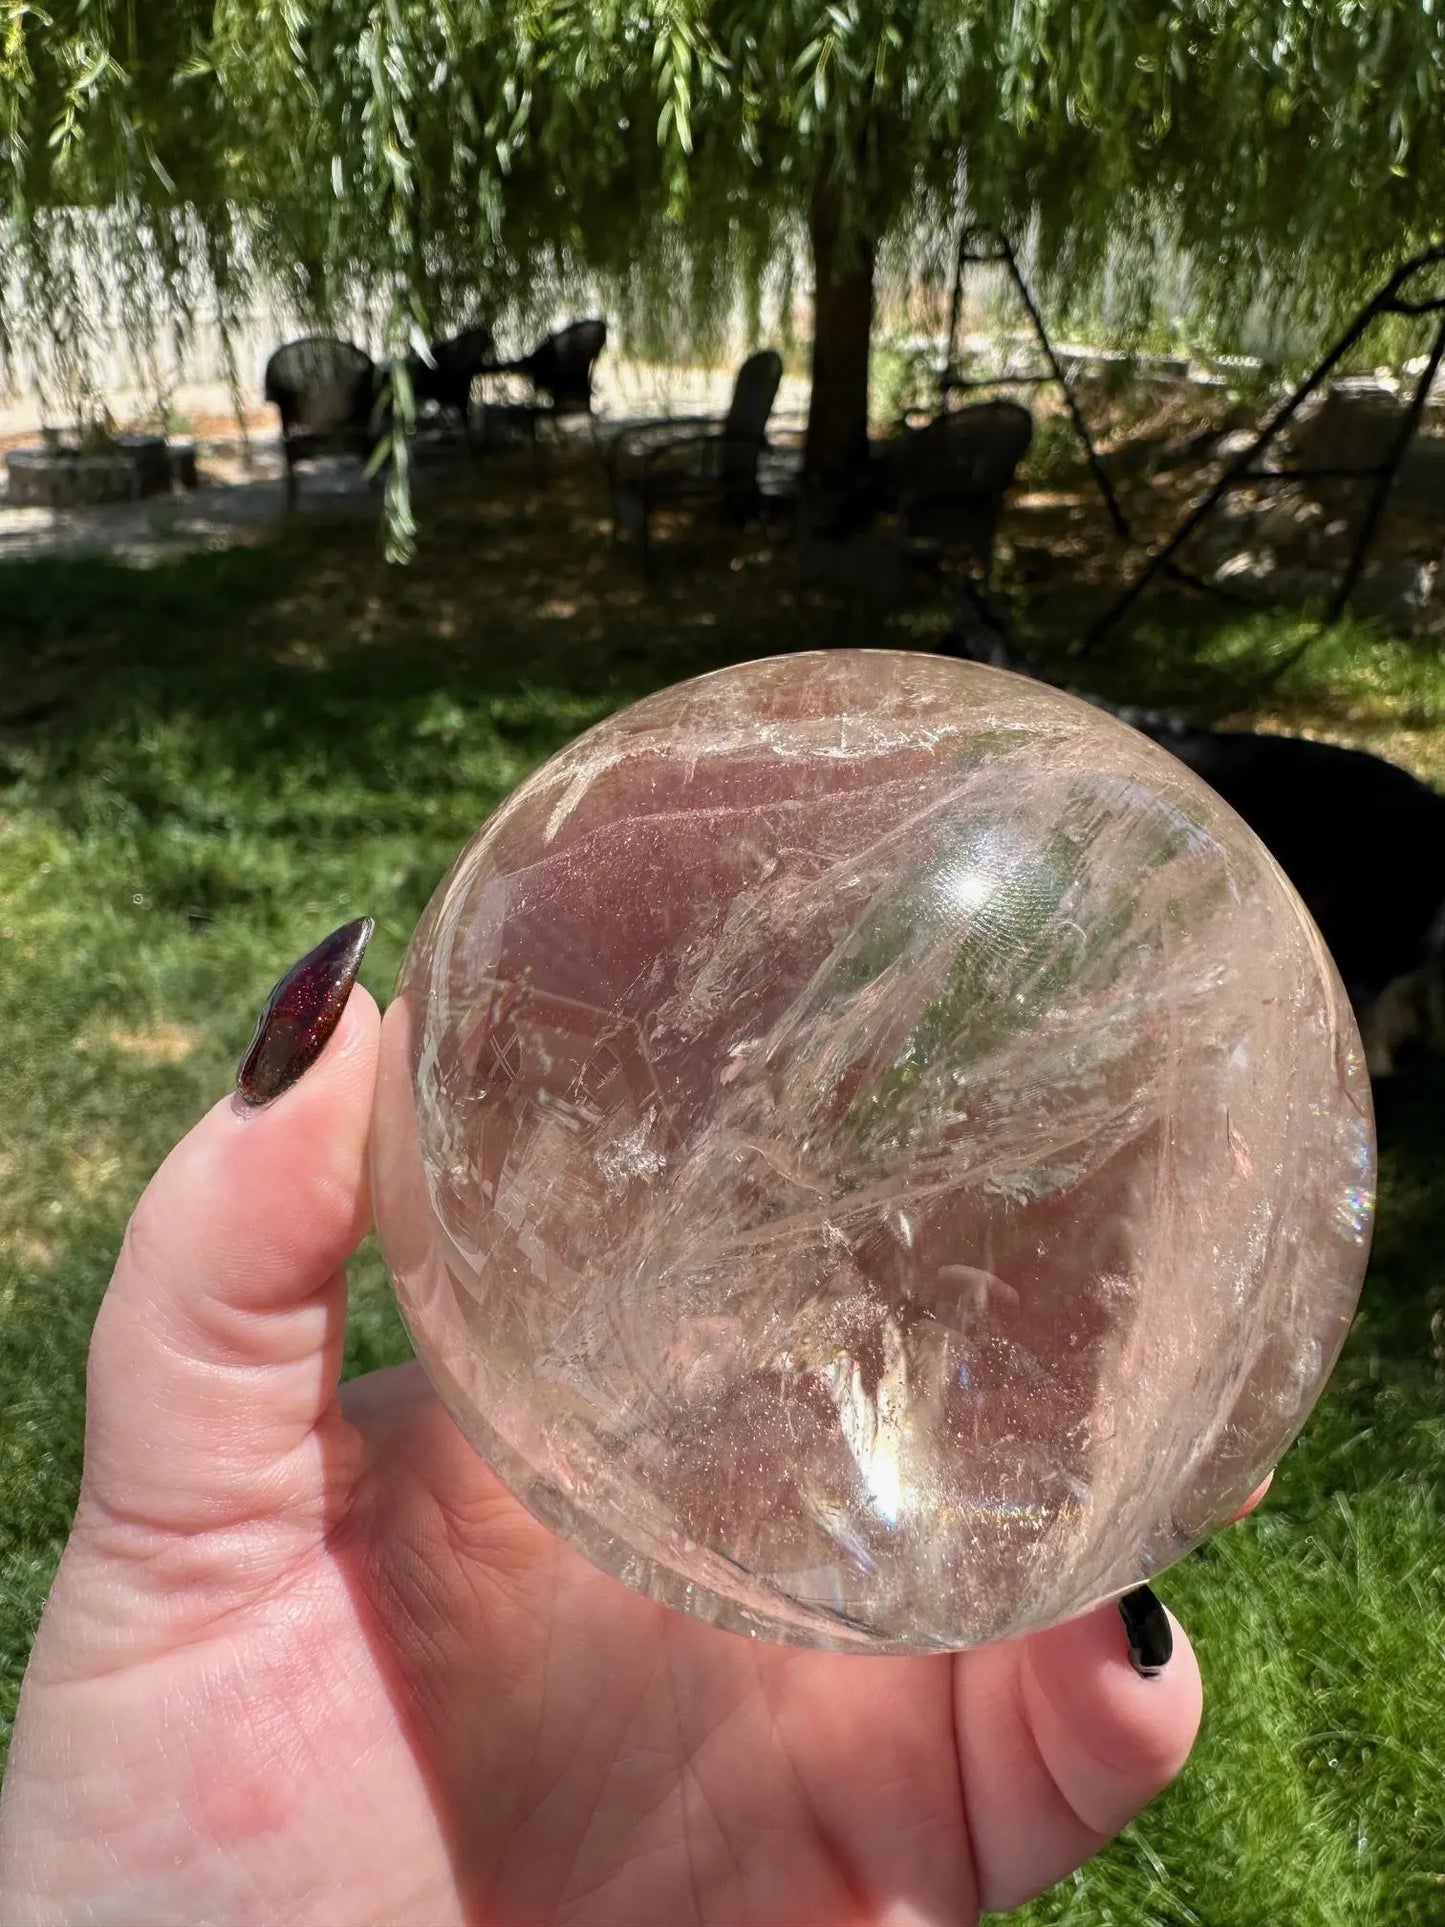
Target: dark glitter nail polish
[1151, 1637]
[301, 1013]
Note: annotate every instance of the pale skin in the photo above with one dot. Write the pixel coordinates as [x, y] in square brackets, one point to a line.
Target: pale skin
[305, 1660]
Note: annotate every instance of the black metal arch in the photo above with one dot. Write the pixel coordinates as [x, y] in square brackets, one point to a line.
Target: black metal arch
[1243, 472]
[980, 247]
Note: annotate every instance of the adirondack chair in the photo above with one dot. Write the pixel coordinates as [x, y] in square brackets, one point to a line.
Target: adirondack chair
[690, 459]
[325, 392]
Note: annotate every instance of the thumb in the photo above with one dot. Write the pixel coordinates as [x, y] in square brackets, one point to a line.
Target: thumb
[1090, 1735]
[217, 1350]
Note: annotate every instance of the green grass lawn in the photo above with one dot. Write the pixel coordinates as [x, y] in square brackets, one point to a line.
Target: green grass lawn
[206, 765]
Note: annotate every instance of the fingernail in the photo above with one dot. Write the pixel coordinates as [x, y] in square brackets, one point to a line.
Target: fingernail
[301, 1013]
[1151, 1637]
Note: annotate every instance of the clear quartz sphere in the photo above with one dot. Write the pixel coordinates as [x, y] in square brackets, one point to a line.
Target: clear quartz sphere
[873, 1151]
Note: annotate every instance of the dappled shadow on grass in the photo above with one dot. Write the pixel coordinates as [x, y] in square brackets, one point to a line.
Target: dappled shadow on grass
[516, 584]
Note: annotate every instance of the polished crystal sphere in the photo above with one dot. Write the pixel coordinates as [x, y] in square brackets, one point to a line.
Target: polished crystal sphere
[873, 1151]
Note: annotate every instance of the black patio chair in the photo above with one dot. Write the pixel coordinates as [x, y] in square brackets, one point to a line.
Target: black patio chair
[325, 390]
[697, 458]
[456, 363]
[559, 369]
[944, 487]
[949, 479]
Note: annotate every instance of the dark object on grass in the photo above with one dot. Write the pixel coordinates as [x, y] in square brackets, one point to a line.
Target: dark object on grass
[697, 458]
[1361, 840]
[325, 390]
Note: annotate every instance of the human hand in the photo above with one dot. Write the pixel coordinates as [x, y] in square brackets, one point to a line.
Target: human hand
[306, 1660]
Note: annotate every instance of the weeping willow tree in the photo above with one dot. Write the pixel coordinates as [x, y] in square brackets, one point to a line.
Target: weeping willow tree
[433, 159]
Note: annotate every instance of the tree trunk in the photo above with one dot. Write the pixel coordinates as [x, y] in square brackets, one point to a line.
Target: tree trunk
[837, 446]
